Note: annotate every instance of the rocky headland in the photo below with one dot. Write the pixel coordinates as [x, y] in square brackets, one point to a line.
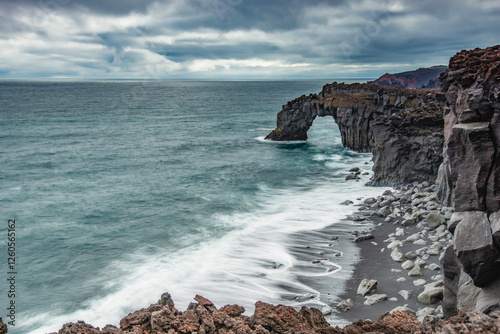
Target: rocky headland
[403, 128]
[430, 247]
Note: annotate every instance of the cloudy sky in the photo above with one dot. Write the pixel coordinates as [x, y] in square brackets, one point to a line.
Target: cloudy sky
[237, 39]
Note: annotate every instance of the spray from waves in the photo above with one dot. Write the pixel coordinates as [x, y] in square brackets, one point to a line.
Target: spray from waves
[252, 262]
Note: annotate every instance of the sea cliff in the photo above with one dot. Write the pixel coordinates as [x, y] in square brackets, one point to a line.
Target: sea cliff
[469, 179]
[402, 127]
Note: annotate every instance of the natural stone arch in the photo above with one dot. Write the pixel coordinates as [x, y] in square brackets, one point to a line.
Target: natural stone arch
[352, 106]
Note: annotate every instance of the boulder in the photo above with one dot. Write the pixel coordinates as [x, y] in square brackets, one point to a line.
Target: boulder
[397, 255]
[374, 299]
[475, 249]
[416, 271]
[435, 219]
[367, 286]
[384, 212]
[345, 305]
[408, 264]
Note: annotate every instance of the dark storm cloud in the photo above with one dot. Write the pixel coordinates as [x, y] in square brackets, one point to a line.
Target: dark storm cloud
[238, 38]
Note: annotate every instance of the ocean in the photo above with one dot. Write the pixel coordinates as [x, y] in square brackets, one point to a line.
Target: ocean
[123, 190]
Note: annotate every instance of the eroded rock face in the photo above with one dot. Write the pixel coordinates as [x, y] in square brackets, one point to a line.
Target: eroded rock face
[475, 250]
[407, 146]
[469, 177]
[352, 106]
[403, 128]
[471, 104]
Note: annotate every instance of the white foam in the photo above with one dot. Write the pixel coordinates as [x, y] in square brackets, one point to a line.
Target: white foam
[275, 142]
[251, 263]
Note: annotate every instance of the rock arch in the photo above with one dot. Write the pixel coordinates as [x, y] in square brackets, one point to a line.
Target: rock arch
[352, 106]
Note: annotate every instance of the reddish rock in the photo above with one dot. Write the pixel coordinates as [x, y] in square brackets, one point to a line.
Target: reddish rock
[469, 177]
[79, 328]
[280, 319]
[421, 78]
[3, 327]
[232, 310]
[389, 323]
[472, 322]
[139, 320]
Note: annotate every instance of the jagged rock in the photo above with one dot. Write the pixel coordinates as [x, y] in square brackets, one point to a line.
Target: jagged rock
[347, 202]
[78, 328]
[475, 249]
[375, 299]
[3, 327]
[345, 305]
[110, 329]
[471, 322]
[367, 286]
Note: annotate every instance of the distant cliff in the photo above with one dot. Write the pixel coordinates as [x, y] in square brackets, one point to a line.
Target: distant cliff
[406, 141]
[421, 78]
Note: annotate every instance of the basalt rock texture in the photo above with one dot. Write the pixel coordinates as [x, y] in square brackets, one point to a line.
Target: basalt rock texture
[402, 127]
[407, 146]
[3, 327]
[204, 318]
[421, 78]
[469, 177]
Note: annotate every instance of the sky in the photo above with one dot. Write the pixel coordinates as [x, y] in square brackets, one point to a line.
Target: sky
[237, 39]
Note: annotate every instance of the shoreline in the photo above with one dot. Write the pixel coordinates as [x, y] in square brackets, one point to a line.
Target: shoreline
[376, 263]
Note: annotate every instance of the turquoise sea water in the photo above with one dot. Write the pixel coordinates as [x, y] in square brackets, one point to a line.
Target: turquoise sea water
[124, 190]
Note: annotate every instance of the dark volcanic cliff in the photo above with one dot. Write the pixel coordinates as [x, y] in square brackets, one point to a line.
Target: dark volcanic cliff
[469, 179]
[402, 127]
